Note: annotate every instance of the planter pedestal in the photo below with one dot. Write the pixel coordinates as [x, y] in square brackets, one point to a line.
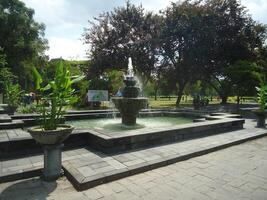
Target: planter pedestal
[52, 162]
[261, 115]
[261, 121]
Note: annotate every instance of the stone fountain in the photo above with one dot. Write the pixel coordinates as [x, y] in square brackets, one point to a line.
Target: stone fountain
[130, 103]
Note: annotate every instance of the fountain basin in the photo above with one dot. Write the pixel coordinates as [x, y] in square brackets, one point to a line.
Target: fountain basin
[129, 108]
[110, 140]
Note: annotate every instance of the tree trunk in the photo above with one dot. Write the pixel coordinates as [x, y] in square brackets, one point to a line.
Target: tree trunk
[224, 99]
[238, 102]
[156, 94]
[179, 96]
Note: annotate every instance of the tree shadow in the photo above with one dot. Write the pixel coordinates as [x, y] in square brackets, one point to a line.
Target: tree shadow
[30, 189]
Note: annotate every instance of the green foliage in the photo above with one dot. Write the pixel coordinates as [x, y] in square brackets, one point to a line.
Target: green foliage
[21, 38]
[110, 80]
[149, 89]
[244, 76]
[82, 90]
[126, 32]
[262, 96]
[2, 58]
[58, 93]
[189, 41]
[12, 94]
[236, 36]
[31, 108]
[75, 68]
[6, 77]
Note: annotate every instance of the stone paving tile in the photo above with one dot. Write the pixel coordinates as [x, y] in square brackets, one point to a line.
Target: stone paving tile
[136, 159]
[90, 163]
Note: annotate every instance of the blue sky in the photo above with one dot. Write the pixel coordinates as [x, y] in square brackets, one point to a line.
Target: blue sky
[65, 20]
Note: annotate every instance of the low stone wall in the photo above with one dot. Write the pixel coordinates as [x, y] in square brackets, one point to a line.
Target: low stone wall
[138, 139]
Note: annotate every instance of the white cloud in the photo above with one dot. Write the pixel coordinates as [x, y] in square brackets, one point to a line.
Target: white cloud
[65, 20]
[257, 8]
[66, 48]
[153, 5]
[50, 12]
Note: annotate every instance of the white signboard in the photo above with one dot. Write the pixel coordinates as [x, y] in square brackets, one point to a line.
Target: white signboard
[97, 95]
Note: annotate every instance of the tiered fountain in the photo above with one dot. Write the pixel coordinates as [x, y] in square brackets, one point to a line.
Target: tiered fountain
[130, 103]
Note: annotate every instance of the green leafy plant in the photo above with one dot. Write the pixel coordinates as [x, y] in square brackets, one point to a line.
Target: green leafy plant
[55, 95]
[31, 108]
[262, 96]
[12, 94]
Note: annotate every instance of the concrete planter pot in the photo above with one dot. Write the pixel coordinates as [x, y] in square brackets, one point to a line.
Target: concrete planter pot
[261, 116]
[51, 137]
[52, 142]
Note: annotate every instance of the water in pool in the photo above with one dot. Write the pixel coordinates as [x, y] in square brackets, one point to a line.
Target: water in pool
[111, 125]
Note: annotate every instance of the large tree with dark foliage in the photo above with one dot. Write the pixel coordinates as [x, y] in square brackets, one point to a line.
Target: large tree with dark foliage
[21, 38]
[189, 41]
[183, 43]
[202, 39]
[125, 32]
[234, 36]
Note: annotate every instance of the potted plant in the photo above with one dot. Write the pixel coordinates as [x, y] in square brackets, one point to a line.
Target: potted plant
[12, 97]
[55, 95]
[261, 100]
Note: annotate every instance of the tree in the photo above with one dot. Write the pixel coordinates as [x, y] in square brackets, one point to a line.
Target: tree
[233, 36]
[21, 38]
[125, 32]
[244, 76]
[6, 77]
[2, 58]
[182, 42]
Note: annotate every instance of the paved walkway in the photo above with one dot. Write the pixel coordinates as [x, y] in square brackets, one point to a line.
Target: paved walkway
[88, 168]
[238, 172]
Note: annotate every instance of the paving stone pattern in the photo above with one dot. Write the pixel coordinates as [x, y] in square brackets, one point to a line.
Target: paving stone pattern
[238, 172]
[87, 166]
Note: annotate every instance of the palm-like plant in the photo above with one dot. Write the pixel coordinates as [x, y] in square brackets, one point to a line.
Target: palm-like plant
[55, 95]
[12, 94]
[262, 96]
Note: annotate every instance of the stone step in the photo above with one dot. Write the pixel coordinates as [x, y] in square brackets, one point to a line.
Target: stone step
[90, 169]
[2, 111]
[199, 120]
[86, 168]
[217, 114]
[17, 142]
[12, 124]
[222, 116]
[5, 118]
[116, 141]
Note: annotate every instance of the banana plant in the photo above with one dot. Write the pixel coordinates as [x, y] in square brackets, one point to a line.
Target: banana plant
[55, 95]
[262, 96]
[12, 94]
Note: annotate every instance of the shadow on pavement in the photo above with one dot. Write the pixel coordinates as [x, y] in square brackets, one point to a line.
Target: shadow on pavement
[30, 189]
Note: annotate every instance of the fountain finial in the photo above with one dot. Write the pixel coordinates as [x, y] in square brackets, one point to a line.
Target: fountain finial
[130, 72]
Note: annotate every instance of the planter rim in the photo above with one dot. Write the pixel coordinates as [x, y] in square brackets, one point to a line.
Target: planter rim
[39, 129]
[51, 137]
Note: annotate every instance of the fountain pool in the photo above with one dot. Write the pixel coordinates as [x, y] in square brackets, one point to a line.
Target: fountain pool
[115, 125]
[152, 128]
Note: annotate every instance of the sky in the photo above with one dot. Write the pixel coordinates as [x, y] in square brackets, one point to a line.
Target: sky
[66, 20]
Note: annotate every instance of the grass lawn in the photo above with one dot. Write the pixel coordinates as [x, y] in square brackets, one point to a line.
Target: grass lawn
[165, 102]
